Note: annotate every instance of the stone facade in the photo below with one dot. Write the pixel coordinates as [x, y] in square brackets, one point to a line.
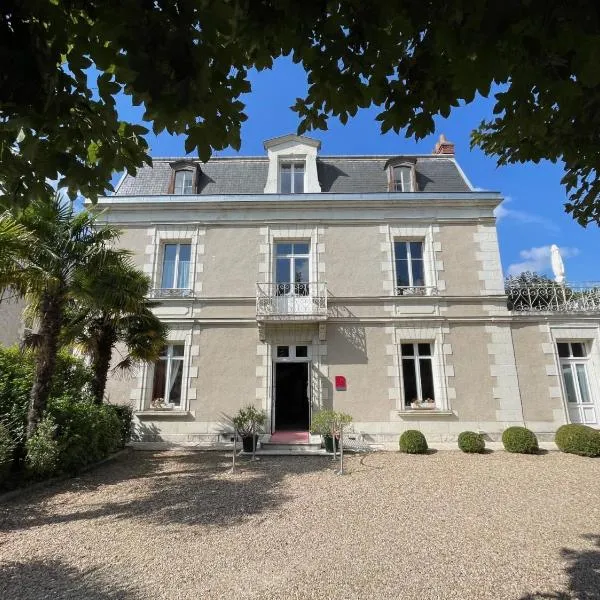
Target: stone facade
[490, 367]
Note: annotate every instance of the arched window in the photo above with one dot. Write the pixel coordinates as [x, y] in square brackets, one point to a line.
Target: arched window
[184, 178]
[184, 182]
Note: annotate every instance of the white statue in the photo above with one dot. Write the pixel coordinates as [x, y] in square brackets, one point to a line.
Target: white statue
[558, 267]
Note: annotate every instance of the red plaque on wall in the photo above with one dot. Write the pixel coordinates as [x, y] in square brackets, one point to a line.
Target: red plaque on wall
[340, 383]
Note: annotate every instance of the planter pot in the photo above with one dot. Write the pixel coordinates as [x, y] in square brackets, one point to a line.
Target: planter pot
[328, 441]
[247, 442]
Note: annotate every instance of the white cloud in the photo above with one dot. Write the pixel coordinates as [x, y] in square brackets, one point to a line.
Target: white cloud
[537, 259]
[502, 211]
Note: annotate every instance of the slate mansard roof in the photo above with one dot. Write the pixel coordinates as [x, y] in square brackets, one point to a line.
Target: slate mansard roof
[337, 175]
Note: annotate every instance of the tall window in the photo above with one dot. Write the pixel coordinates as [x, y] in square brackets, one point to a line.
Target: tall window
[292, 268]
[176, 266]
[410, 271]
[168, 375]
[403, 179]
[292, 178]
[573, 362]
[183, 182]
[417, 372]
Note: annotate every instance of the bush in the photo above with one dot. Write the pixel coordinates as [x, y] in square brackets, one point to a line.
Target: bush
[469, 441]
[413, 442]
[124, 413]
[520, 440]
[578, 439]
[43, 449]
[71, 378]
[87, 432]
[326, 421]
[6, 451]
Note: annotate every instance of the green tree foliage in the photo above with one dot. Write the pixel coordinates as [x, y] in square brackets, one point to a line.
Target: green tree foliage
[49, 272]
[112, 308]
[187, 63]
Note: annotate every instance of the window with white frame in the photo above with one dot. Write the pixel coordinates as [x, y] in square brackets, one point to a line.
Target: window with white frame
[184, 181]
[409, 266]
[292, 268]
[417, 373]
[574, 359]
[291, 177]
[168, 376]
[402, 178]
[176, 266]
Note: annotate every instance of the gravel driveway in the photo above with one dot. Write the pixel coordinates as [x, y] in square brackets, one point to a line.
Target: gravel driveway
[170, 525]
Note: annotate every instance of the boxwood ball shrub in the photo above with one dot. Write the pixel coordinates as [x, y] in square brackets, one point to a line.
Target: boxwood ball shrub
[578, 439]
[469, 441]
[520, 440]
[413, 442]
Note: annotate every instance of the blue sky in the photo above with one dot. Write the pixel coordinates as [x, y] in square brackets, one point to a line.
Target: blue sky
[529, 221]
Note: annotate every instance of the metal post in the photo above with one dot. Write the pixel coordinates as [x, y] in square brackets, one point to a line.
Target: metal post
[254, 446]
[341, 471]
[234, 451]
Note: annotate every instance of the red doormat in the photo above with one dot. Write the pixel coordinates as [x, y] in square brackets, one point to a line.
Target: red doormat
[289, 437]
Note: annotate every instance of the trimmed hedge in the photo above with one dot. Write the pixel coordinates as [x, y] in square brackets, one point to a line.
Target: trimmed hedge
[413, 442]
[469, 441]
[520, 440]
[578, 439]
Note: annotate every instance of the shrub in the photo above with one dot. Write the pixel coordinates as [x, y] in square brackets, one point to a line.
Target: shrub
[71, 378]
[469, 441]
[87, 432]
[520, 440]
[326, 421]
[124, 413]
[6, 451]
[43, 449]
[578, 439]
[413, 442]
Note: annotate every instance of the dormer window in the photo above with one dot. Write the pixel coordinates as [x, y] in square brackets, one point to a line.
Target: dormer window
[184, 182]
[401, 174]
[291, 177]
[184, 177]
[403, 178]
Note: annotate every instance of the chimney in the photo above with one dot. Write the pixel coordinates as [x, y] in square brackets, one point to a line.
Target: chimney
[443, 146]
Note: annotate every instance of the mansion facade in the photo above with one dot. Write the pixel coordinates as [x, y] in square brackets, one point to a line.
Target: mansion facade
[367, 284]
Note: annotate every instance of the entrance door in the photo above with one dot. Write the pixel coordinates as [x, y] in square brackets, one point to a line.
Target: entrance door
[292, 411]
[574, 363]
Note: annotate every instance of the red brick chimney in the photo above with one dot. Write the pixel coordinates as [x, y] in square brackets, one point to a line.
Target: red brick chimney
[443, 146]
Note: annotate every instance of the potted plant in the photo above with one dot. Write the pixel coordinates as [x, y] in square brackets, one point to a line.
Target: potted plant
[328, 424]
[248, 422]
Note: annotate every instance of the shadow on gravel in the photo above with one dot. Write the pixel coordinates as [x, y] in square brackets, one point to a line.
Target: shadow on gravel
[188, 488]
[583, 569]
[55, 580]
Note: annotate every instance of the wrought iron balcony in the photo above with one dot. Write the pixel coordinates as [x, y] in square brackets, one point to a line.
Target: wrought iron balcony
[291, 301]
[171, 293]
[554, 297]
[417, 290]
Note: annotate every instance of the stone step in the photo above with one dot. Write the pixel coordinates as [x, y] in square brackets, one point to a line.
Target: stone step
[277, 448]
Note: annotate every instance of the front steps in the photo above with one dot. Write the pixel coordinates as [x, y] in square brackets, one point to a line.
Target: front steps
[279, 449]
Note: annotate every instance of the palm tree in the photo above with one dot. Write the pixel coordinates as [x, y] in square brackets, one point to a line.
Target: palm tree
[114, 310]
[50, 270]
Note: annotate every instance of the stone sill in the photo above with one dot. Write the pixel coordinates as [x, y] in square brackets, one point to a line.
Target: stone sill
[425, 412]
[164, 413]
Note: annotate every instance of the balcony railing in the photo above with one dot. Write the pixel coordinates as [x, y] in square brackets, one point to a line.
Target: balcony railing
[554, 298]
[171, 293]
[291, 301]
[420, 290]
